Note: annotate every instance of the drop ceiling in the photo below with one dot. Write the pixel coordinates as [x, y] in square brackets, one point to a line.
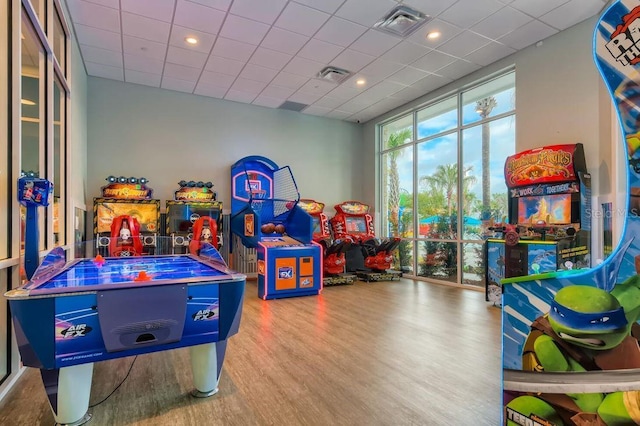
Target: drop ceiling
[268, 52]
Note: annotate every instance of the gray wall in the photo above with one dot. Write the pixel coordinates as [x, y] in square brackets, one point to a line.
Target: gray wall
[166, 136]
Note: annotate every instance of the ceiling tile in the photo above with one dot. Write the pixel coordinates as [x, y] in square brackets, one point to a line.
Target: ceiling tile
[249, 86]
[528, 34]
[407, 76]
[181, 72]
[337, 114]
[447, 32]
[141, 47]
[465, 13]
[143, 64]
[105, 71]
[177, 84]
[301, 19]
[258, 73]
[369, 80]
[224, 65]
[320, 50]
[374, 42]
[353, 106]
[317, 87]
[346, 91]
[179, 34]
[101, 56]
[304, 98]
[216, 4]
[216, 79]
[233, 49]
[536, 8]
[433, 61]
[431, 8]
[316, 110]
[204, 89]
[198, 17]
[489, 54]
[381, 68]
[328, 6]
[405, 53]
[286, 79]
[186, 57]
[355, 11]
[146, 28]
[328, 102]
[144, 78]
[458, 69]
[463, 44]
[98, 38]
[340, 31]
[155, 9]
[238, 96]
[502, 22]
[284, 41]
[270, 58]
[267, 101]
[85, 13]
[277, 92]
[352, 61]
[264, 10]
[571, 13]
[243, 29]
[303, 67]
[114, 4]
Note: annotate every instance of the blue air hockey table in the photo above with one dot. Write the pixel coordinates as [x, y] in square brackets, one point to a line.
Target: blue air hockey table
[72, 314]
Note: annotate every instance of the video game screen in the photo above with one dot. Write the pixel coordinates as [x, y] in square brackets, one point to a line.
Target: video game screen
[147, 214]
[181, 217]
[317, 229]
[552, 209]
[356, 225]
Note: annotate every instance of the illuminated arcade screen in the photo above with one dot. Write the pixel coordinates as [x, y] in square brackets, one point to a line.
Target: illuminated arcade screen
[317, 229]
[148, 214]
[180, 217]
[356, 225]
[553, 209]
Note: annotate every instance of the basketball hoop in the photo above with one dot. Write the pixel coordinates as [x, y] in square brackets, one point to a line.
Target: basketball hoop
[257, 194]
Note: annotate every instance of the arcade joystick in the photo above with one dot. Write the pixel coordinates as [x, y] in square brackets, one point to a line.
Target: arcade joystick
[142, 276]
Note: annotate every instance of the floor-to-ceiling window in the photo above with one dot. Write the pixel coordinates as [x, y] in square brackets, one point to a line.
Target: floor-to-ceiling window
[442, 176]
[33, 121]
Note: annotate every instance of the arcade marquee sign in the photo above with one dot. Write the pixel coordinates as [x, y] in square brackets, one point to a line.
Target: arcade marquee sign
[624, 40]
[547, 164]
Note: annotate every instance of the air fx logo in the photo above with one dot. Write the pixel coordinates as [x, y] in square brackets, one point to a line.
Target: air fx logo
[624, 40]
[285, 272]
[79, 330]
[204, 315]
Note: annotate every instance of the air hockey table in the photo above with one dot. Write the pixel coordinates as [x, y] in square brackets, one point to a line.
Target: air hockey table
[72, 314]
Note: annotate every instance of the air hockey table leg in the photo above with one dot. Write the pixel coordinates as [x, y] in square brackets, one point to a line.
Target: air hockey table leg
[68, 390]
[206, 366]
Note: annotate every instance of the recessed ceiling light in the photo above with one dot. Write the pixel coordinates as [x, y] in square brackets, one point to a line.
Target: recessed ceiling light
[433, 35]
[361, 82]
[27, 102]
[191, 40]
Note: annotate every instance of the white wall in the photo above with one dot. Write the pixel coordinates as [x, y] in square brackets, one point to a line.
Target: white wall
[560, 98]
[166, 136]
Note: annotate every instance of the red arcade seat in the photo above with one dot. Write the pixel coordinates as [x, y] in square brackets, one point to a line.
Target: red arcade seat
[125, 237]
[205, 230]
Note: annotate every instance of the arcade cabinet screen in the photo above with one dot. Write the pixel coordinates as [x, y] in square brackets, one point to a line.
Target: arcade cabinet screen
[356, 225]
[147, 214]
[180, 217]
[317, 229]
[552, 209]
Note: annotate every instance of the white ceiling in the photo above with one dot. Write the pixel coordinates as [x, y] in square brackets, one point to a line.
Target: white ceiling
[266, 52]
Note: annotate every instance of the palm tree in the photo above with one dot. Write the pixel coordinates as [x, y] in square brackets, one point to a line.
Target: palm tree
[483, 108]
[395, 140]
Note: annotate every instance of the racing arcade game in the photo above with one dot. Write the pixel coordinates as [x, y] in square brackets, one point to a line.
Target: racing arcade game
[548, 228]
[265, 215]
[368, 257]
[333, 260]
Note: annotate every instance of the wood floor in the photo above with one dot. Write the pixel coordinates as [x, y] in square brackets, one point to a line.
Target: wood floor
[387, 353]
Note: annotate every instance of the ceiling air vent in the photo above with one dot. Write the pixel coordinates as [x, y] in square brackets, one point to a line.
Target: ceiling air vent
[292, 106]
[333, 74]
[401, 21]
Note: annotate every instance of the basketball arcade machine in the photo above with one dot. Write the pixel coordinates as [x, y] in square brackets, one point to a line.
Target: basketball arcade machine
[265, 215]
[368, 257]
[548, 229]
[334, 259]
[126, 220]
[194, 216]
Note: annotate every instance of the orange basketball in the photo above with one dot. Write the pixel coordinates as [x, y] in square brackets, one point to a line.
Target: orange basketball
[279, 228]
[268, 228]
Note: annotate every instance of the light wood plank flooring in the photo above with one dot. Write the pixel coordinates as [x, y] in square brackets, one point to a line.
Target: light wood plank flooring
[387, 353]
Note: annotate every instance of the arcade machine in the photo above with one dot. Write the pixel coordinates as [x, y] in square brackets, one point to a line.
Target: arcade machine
[265, 215]
[570, 345]
[126, 207]
[369, 257]
[194, 216]
[334, 259]
[548, 228]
